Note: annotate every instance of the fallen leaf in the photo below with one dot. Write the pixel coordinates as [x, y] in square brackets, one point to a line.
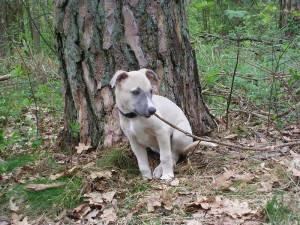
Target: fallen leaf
[92, 215]
[225, 185]
[295, 155]
[80, 207]
[13, 206]
[266, 186]
[246, 177]
[96, 198]
[194, 222]
[231, 136]
[152, 203]
[68, 173]
[175, 183]
[109, 215]
[101, 174]
[296, 172]
[40, 187]
[82, 147]
[16, 220]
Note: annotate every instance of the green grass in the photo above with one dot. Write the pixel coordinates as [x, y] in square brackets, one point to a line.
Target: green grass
[278, 212]
[120, 158]
[10, 164]
[50, 202]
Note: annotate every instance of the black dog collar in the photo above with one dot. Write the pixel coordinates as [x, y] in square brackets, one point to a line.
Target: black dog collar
[128, 115]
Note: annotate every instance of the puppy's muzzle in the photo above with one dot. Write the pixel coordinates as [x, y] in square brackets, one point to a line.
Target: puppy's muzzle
[151, 110]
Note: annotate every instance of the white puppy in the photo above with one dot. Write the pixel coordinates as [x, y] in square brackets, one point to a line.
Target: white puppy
[136, 104]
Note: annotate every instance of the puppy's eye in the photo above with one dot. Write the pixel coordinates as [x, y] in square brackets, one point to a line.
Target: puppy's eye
[151, 91]
[135, 92]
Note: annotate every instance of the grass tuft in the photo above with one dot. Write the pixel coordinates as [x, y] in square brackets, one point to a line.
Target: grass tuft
[15, 162]
[120, 158]
[278, 212]
[50, 202]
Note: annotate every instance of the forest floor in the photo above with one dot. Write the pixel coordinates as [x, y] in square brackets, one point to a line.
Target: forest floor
[212, 186]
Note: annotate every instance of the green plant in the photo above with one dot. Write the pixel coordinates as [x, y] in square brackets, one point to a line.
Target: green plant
[278, 212]
[10, 164]
[49, 202]
[120, 158]
[75, 128]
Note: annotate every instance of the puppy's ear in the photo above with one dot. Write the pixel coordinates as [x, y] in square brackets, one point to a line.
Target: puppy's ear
[150, 75]
[118, 77]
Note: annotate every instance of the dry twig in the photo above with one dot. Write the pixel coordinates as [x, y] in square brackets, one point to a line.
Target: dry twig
[264, 148]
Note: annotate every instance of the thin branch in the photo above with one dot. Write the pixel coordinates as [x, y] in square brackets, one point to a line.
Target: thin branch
[5, 77]
[264, 148]
[241, 39]
[232, 84]
[37, 29]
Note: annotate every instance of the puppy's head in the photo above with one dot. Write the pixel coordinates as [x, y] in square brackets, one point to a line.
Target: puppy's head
[133, 91]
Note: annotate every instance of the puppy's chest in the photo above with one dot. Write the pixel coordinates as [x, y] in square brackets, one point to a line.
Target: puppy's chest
[143, 134]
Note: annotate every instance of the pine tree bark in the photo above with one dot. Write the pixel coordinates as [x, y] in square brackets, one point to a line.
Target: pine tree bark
[96, 38]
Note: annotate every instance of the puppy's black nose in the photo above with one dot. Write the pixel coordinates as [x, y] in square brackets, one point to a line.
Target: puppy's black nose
[151, 110]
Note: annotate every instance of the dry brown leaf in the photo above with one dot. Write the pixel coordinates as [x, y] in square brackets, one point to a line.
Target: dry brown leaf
[246, 177]
[40, 187]
[109, 215]
[96, 198]
[235, 209]
[296, 172]
[80, 207]
[152, 203]
[15, 219]
[231, 136]
[82, 147]
[225, 176]
[80, 211]
[175, 182]
[266, 186]
[108, 196]
[225, 185]
[13, 206]
[68, 173]
[295, 155]
[194, 222]
[101, 174]
[92, 215]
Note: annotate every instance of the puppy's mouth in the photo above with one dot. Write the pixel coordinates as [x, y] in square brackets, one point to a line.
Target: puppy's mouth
[142, 115]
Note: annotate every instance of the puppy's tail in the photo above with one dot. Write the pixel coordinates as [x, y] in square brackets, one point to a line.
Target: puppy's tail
[191, 146]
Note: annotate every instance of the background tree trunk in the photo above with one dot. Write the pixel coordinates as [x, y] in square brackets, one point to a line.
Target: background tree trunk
[287, 20]
[2, 28]
[96, 38]
[35, 25]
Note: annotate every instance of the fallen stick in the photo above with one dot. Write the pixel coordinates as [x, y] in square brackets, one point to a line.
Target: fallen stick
[4, 77]
[265, 148]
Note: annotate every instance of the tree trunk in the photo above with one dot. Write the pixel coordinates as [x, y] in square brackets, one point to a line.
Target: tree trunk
[96, 38]
[2, 29]
[288, 20]
[35, 25]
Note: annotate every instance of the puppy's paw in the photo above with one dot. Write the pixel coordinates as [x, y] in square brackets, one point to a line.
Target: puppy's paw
[157, 173]
[168, 176]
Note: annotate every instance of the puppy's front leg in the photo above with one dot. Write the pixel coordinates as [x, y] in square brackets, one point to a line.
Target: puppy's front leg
[142, 158]
[166, 160]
